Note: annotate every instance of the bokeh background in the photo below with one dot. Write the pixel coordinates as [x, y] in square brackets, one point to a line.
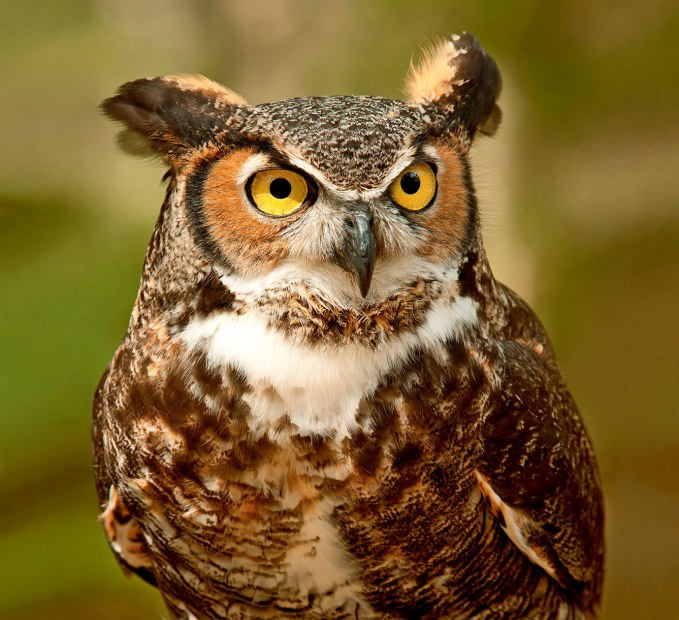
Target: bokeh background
[579, 191]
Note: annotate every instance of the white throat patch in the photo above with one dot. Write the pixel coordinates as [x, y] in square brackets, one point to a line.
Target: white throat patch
[318, 388]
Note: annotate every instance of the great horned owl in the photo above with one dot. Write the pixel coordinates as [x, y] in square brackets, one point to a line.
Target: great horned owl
[325, 406]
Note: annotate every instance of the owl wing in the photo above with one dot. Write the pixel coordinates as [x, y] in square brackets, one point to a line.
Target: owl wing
[538, 473]
[122, 531]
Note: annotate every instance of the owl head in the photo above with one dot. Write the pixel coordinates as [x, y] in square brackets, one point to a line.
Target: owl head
[350, 199]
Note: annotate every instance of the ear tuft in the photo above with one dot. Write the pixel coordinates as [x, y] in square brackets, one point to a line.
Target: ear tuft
[171, 115]
[460, 79]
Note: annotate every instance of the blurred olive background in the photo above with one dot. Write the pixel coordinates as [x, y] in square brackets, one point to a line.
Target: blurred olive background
[579, 190]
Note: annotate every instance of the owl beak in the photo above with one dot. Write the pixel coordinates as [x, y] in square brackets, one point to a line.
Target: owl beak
[358, 254]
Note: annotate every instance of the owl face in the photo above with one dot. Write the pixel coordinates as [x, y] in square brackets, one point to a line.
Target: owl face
[350, 197]
[360, 211]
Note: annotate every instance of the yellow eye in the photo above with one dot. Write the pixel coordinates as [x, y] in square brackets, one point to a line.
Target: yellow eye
[278, 192]
[415, 187]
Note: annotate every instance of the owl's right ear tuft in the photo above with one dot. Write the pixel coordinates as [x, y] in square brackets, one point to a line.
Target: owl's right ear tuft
[169, 116]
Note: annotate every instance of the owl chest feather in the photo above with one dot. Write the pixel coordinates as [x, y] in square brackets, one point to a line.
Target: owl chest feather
[259, 457]
[269, 456]
[302, 475]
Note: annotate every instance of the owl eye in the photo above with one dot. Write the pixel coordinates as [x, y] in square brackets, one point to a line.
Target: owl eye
[415, 188]
[278, 192]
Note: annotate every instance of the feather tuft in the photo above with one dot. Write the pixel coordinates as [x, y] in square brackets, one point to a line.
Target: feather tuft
[431, 78]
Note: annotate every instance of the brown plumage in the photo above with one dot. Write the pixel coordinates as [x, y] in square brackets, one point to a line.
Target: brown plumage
[325, 406]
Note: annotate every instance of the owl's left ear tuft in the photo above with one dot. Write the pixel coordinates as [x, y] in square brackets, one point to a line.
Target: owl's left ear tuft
[168, 116]
[457, 77]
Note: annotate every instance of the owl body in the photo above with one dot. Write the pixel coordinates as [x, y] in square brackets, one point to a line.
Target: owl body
[325, 406]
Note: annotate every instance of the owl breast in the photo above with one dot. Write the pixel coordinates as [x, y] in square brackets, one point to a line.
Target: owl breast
[252, 439]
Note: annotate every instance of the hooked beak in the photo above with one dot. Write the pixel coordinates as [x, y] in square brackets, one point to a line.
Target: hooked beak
[358, 254]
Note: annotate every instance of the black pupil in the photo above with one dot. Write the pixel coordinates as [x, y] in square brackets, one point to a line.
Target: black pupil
[410, 182]
[280, 188]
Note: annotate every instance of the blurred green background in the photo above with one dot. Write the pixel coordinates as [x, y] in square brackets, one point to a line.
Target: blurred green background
[579, 191]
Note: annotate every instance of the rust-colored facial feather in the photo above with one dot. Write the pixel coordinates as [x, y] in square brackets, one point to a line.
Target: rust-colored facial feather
[249, 241]
[446, 221]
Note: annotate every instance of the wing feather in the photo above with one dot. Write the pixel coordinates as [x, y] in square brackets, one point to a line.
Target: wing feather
[538, 472]
[122, 532]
